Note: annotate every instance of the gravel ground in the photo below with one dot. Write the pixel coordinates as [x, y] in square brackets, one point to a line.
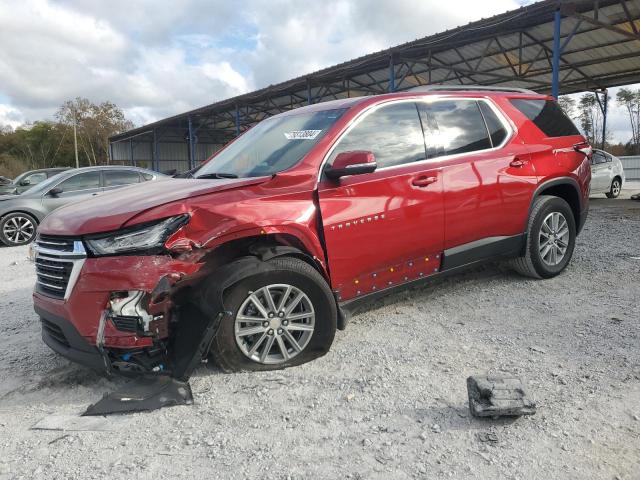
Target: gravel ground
[388, 401]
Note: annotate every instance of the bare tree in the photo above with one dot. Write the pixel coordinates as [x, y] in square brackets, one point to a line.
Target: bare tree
[95, 124]
[630, 99]
[591, 118]
[568, 106]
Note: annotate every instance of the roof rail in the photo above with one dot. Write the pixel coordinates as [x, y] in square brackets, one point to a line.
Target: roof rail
[464, 88]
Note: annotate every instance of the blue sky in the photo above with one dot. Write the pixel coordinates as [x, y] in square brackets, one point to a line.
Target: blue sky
[156, 58]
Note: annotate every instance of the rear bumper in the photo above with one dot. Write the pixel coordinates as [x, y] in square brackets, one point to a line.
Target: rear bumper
[62, 337]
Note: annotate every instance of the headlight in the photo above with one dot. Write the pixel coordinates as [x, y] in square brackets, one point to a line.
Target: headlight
[148, 238]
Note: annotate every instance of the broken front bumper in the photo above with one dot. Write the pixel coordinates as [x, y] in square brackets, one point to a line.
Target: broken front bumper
[62, 337]
[71, 325]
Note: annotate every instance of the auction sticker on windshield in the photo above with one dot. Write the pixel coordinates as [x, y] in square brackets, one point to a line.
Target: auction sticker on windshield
[302, 134]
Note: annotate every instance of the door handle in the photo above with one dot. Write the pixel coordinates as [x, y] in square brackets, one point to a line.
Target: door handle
[423, 181]
[517, 163]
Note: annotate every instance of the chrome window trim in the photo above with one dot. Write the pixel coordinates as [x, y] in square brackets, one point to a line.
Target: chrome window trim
[502, 118]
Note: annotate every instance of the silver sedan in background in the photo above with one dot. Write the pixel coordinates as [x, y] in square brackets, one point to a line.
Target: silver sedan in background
[21, 214]
[607, 174]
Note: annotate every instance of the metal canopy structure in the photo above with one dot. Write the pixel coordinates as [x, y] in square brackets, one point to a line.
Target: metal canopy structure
[553, 46]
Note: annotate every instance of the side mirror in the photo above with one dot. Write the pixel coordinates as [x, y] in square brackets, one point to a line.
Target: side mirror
[352, 163]
[584, 148]
[24, 183]
[54, 192]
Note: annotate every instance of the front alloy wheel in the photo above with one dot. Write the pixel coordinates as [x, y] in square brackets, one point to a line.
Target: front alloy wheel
[274, 324]
[283, 315]
[17, 229]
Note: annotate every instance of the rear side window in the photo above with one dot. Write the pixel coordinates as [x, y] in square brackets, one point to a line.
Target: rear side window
[547, 116]
[460, 127]
[393, 133]
[497, 132]
[114, 178]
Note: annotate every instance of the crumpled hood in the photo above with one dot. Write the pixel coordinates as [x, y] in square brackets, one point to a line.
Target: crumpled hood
[110, 211]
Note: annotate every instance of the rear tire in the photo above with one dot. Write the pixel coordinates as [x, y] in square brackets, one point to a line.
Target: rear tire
[286, 342]
[17, 229]
[614, 190]
[550, 239]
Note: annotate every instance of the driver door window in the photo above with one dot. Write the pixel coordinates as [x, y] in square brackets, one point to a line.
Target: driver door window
[393, 133]
[79, 187]
[83, 181]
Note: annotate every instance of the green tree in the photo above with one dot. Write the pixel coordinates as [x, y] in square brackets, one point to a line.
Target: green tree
[41, 144]
[630, 100]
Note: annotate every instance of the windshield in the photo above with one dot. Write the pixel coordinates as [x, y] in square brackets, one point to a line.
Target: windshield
[274, 145]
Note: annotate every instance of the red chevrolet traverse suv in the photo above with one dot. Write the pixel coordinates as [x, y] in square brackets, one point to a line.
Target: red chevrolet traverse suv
[269, 244]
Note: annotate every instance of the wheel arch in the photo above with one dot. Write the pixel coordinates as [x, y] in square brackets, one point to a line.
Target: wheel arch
[24, 212]
[566, 188]
[265, 247]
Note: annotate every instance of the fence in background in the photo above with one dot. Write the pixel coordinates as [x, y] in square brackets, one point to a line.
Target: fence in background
[631, 167]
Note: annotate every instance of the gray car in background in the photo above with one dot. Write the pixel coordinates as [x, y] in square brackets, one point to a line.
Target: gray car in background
[21, 214]
[30, 179]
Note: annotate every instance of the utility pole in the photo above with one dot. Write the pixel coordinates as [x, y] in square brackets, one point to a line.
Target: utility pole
[75, 138]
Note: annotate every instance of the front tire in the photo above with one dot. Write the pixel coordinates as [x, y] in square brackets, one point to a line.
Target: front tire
[551, 237]
[17, 229]
[282, 317]
[614, 190]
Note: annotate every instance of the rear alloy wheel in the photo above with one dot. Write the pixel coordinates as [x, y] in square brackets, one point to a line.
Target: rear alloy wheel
[615, 189]
[17, 229]
[550, 239]
[553, 239]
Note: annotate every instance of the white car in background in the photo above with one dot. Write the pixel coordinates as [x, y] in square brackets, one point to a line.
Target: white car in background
[607, 174]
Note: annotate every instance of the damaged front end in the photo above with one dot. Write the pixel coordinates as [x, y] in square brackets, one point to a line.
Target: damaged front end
[163, 368]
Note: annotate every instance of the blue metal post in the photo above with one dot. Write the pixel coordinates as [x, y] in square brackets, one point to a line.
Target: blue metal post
[392, 75]
[555, 64]
[237, 120]
[604, 119]
[309, 98]
[133, 162]
[192, 159]
[155, 162]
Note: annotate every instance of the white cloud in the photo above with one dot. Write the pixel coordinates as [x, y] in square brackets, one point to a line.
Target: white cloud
[158, 58]
[10, 116]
